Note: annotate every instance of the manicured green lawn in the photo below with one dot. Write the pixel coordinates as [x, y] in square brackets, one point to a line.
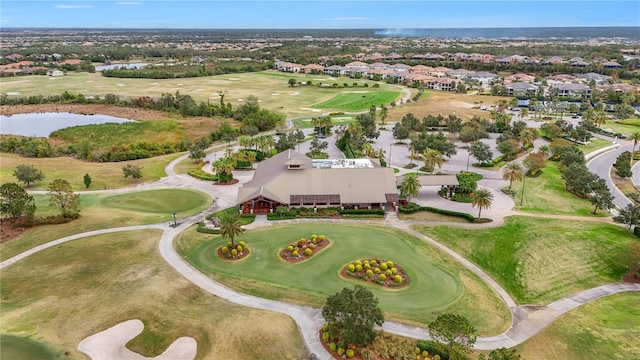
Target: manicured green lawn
[546, 194]
[541, 260]
[158, 201]
[305, 123]
[626, 127]
[21, 348]
[358, 100]
[437, 282]
[608, 328]
[97, 213]
[66, 293]
[594, 144]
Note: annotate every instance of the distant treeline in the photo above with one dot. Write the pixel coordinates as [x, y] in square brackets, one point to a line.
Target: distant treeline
[110, 147]
[186, 71]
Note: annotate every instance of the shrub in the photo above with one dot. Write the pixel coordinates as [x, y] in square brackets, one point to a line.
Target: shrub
[425, 354]
[290, 248]
[332, 346]
[369, 273]
[358, 268]
[388, 273]
[325, 336]
[243, 244]
[308, 252]
[383, 277]
[374, 263]
[398, 279]
[376, 270]
[417, 350]
[436, 357]
[351, 268]
[350, 353]
[200, 174]
[394, 271]
[340, 351]
[390, 263]
[325, 327]
[295, 253]
[384, 266]
[322, 238]
[234, 252]
[229, 244]
[433, 347]
[412, 208]
[225, 250]
[239, 248]
[358, 262]
[367, 265]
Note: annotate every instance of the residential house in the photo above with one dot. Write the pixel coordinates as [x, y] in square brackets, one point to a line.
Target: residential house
[573, 90]
[521, 89]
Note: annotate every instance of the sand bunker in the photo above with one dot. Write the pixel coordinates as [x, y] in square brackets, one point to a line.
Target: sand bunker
[13, 93]
[295, 93]
[310, 109]
[120, 84]
[110, 344]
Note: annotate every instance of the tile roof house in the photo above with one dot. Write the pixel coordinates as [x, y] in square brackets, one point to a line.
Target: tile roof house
[573, 90]
[521, 89]
[290, 179]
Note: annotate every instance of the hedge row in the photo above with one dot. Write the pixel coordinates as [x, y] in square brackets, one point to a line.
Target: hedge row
[202, 175]
[415, 208]
[205, 230]
[361, 212]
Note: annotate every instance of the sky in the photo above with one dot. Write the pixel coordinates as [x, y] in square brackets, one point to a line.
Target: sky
[320, 14]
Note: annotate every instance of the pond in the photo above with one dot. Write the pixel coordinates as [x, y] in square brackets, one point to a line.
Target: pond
[43, 124]
[117, 66]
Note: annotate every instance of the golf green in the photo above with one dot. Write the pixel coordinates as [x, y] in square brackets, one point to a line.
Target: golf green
[158, 201]
[20, 348]
[432, 287]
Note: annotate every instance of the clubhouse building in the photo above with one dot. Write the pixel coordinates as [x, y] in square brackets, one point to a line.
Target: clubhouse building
[294, 180]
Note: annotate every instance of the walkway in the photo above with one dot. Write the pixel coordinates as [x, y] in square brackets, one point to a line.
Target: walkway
[526, 320]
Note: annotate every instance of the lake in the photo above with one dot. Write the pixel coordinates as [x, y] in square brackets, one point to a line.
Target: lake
[43, 124]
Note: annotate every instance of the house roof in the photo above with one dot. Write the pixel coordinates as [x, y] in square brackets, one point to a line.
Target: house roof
[521, 86]
[353, 186]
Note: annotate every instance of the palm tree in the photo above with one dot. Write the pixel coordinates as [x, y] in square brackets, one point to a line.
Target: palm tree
[246, 141]
[636, 139]
[384, 112]
[524, 113]
[410, 186]
[413, 154]
[527, 136]
[230, 227]
[482, 198]
[380, 154]
[513, 172]
[545, 150]
[432, 158]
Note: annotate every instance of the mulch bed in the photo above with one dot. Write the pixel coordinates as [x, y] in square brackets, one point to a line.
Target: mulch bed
[389, 282]
[630, 278]
[222, 256]
[283, 253]
[234, 181]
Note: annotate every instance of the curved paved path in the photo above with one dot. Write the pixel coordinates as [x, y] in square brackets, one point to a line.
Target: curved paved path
[526, 320]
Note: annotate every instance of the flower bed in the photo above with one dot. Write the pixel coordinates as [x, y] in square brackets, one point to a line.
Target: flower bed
[379, 271]
[303, 249]
[233, 251]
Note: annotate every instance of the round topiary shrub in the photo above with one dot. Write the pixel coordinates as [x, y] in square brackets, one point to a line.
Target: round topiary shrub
[308, 252]
[332, 346]
[436, 357]
[367, 266]
[369, 273]
[243, 244]
[239, 248]
[374, 263]
[358, 262]
[325, 327]
[295, 253]
[384, 266]
[376, 270]
[351, 268]
[229, 244]
[290, 248]
[383, 277]
[325, 336]
[394, 271]
[358, 267]
[322, 237]
[425, 354]
[390, 263]
[225, 250]
[340, 351]
[388, 273]
[350, 353]
[398, 279]
[234, 252]
[312, 246]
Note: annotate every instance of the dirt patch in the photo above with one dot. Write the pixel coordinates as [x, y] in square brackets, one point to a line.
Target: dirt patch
[193, 127]
[8, 231]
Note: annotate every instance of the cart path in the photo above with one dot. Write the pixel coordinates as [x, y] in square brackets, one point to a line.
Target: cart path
[527, 320]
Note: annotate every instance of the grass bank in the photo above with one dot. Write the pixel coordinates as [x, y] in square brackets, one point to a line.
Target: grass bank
[358, 100]
[109, 211]
[103, 175]
[541, 260]
[437, 282]
[122, 276]
[607, 328]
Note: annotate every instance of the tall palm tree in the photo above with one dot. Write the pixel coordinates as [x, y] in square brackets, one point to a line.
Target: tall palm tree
[481, 198]
[545, 150]
[230, 227]
[432, 158]
[410, 186]
[384, 112]
[524, 113]
[527, 136]
[635, 136]
[513, 171]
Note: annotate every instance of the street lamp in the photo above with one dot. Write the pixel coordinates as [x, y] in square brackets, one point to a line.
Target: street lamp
[175, 223]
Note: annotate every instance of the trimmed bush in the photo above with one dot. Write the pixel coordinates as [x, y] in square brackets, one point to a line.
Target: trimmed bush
[234, 252]
[376, 270]
[358, 267]
[202, 229]
[394, 271]
[350, 353]
[383, 277]
[412, 208]
[351, 268]
[295, 253]
[199, 174]
[332, 346]
[340, 351]
[384, 266]
[242, 243]
[239, 248]
[369, 273]
[308, 252]
[390, 263]
[397, 279]
[225, 250]
[325, 336]
[290, 248]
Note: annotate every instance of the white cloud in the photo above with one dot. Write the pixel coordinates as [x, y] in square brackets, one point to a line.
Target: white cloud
[128, 3]
[68, 6]
[349, 18]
